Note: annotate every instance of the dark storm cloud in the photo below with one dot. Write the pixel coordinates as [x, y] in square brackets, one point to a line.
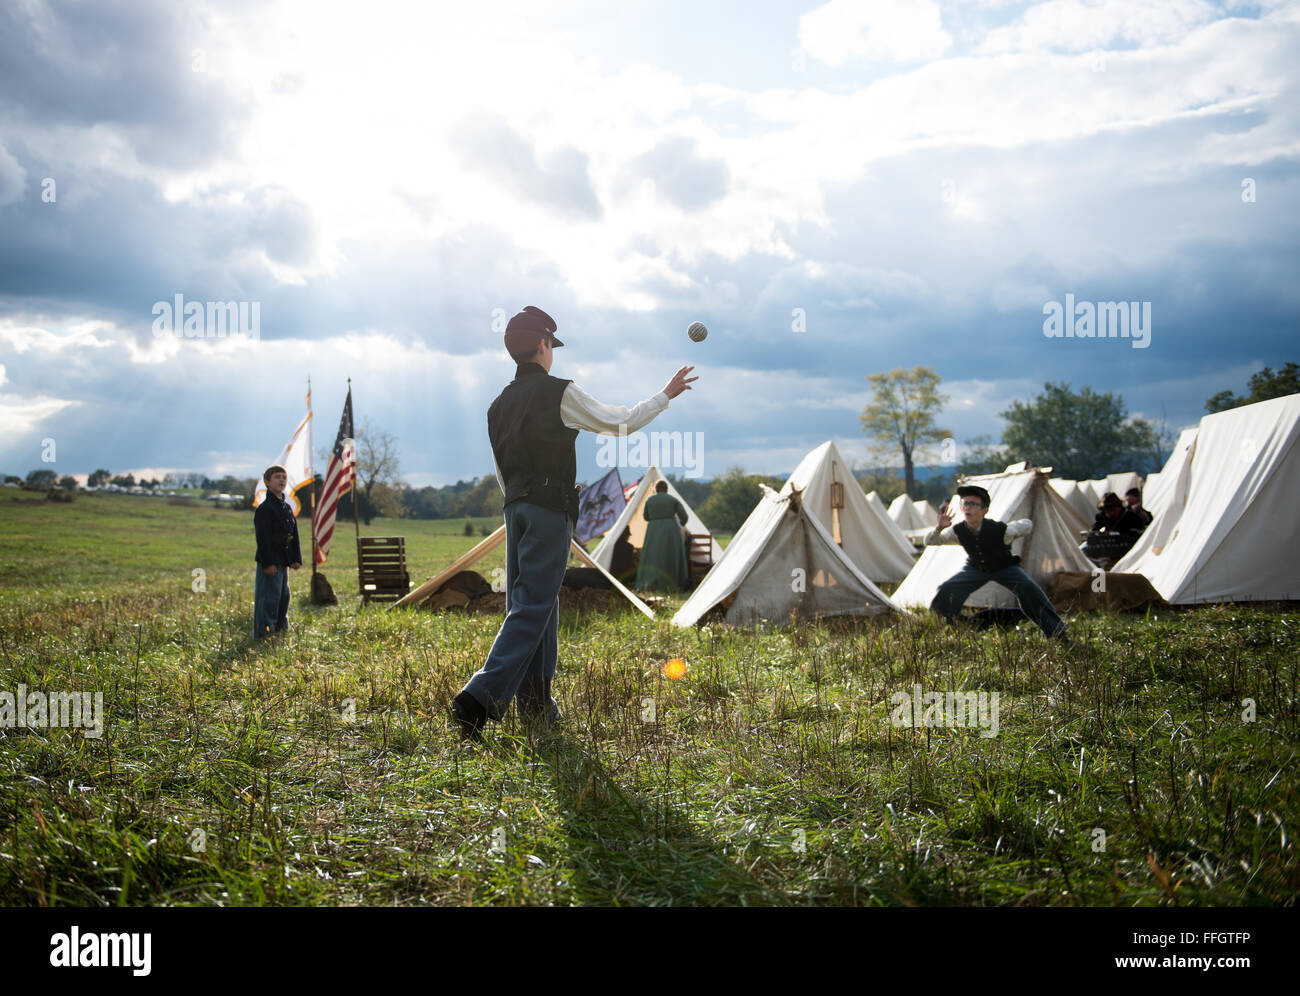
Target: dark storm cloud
[111, 246]
[13, 178]
[488, 144]
[128, 65]
[1216, 304]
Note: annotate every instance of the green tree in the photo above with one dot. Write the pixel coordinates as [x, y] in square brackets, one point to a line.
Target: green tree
[1263, 386]
[900, 417]
[41, 478]
[886, 485]
[980, 456]
[98, 479]
[1221, 402]
[387, 500]
[485, 498]
[693, 491]
[425, 503]
[68, 483]
[1080, 435]
[733, 497]
[938, 489]
[246, 488]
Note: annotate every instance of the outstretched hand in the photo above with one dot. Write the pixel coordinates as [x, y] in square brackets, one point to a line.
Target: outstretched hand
[680, 382]
[945, 518]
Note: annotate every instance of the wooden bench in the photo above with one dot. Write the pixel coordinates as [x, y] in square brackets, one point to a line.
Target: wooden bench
[381, 568]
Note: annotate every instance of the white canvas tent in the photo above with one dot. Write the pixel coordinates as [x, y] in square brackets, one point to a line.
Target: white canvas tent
[1233, 535]
[632, 517]
[1119, 483]
[877, 503]
[1094, 491]
[1076, 497]
[1052, 546]
[1149, 484]
[1122, 482]
[906, 515]
[872, 541]
[928, 513]
[1168, 487]
[783, 562]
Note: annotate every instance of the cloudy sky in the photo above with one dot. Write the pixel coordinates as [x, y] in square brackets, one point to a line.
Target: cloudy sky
[908, 181]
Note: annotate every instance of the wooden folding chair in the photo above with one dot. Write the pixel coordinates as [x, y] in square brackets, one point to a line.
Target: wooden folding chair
[700, 557]
[381, 568]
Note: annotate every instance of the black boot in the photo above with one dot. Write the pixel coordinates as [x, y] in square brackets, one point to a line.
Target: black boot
[470, 716]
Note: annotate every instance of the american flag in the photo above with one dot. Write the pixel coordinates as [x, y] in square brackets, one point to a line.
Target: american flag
[340, 477]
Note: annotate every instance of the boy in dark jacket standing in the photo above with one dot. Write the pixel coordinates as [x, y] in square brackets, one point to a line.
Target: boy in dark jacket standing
[276, 529]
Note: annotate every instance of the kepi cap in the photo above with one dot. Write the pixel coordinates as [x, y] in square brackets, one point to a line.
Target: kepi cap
[974, 491]
[529, 326]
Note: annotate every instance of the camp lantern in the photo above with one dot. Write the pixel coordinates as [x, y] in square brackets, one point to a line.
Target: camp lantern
[837, 503]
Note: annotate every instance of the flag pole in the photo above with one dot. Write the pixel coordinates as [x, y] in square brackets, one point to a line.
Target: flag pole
[311, 492]
[355, 522]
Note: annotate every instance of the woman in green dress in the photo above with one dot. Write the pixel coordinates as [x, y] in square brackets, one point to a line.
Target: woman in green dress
[663, 554]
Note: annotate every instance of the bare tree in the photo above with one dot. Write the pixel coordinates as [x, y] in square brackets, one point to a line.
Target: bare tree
[377, 463]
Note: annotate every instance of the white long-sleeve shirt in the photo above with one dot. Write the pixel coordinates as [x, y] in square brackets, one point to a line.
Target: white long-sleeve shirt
[1016, 529]
[579, 410]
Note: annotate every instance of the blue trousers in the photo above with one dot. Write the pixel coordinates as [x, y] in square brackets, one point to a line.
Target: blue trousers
[952, 595]
[270, 602]
[522, 661]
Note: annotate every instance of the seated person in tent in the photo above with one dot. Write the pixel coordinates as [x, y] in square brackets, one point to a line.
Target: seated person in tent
[1114, 531]
[1133, 499]
[663, 556]
[988, 558]
[1116, 519]
[623, 561]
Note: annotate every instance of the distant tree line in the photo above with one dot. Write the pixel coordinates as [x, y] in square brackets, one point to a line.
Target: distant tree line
[43, 480]
[479, 496]
[1081, 434]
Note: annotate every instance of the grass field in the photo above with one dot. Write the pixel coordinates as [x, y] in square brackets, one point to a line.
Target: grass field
[322, 769]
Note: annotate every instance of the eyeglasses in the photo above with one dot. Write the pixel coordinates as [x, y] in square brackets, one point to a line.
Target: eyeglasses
[972, 503]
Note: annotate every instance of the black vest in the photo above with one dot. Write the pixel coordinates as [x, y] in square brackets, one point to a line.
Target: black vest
[988, 549]
[533, 446]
